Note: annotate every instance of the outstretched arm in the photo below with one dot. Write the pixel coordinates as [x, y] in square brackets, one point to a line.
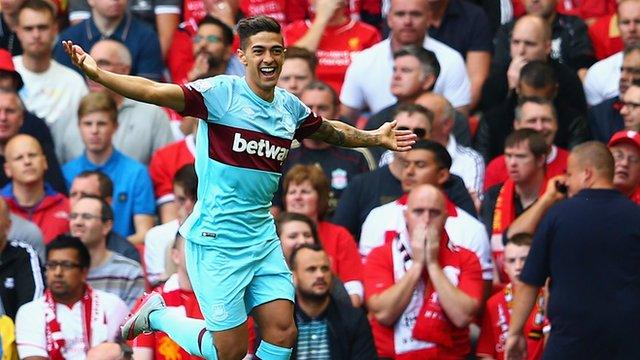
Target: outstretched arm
[338, 133]
[132, 87]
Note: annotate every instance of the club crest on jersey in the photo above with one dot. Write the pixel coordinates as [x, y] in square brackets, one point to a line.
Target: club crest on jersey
[339, 179]
[260, 147]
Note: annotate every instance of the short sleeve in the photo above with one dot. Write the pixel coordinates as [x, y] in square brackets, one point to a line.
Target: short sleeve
[537, 267]
[30, 326]
[144, 202]
[482, 40]
[207, 99]
[378, 272]
[351, 95]
[471, 281]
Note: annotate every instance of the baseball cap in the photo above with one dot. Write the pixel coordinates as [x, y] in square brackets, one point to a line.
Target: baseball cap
[625, 136]
[6, 64]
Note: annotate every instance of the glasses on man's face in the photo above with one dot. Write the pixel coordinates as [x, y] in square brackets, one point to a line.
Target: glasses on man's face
[64, 265]
[211, 39]
[84, 216]
[620, 156]
[420, 132]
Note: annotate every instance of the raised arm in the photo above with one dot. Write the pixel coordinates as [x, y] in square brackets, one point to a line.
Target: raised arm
[338, 133]
[132, 87]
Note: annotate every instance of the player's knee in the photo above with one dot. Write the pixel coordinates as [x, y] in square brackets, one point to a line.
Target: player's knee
[283, 334]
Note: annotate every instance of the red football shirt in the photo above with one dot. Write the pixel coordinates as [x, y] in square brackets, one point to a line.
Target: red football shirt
[337, 46]
[497, 169]
[605, 36]
[273, 8]
[164, 164]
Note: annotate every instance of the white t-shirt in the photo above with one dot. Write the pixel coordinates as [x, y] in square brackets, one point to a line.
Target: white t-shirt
[367, 82]
[156, 244]
[467, 164]
[463, 229]
[30, 326]
[603, 79]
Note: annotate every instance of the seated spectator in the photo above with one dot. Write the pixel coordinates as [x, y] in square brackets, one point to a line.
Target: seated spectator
[20, 271]
[28, 195]
[96, 183]
[326, 328]
[625, 148]
[206, 53]
[497, 313]
[133, 197]
[8, 24]
[368, 77]
[464, 26]
[298, 70]
[163, 167]
[615, 114]
[605, 36]
[334, 37]
[531, 41]
[114, 22]
[427, 163]
[134, 138]
[601, 82]
[339, 164]
[525, 153]
[48, 327]
[52, 91]
[13, 117]
[570, 42]
[177, 293]
[629, 107]
[306, 191]
[158, 239]
[538, 114]
[537, 79]
[422, 291]
[91, 221]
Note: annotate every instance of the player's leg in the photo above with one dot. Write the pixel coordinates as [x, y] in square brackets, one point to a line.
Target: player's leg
[278, 329]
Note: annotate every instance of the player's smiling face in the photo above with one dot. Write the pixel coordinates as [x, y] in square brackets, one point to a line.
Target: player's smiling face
[263, 57]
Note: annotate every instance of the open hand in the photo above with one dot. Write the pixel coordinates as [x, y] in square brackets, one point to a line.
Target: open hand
[396, 140]
[81, 59]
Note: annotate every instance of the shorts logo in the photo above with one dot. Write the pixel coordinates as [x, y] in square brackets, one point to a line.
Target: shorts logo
[262, 148]
[219, 312]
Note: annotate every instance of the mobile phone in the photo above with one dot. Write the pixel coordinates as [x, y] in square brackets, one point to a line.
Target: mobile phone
[562, 188]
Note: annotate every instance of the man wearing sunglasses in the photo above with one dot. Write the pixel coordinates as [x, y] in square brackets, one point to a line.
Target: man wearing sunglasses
[71, 317]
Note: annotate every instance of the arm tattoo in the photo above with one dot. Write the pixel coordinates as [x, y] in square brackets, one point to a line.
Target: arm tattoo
[330, 134]
[340, 134]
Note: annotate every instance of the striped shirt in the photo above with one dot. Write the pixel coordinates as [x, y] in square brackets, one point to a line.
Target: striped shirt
[120, 276]
[313, 340]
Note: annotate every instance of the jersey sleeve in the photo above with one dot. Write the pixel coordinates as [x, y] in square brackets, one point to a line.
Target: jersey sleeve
[536, 268]
[30, 331]
[470, 281]
[207, 99]
[378, 272]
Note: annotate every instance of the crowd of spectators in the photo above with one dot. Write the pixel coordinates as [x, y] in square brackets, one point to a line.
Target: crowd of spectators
[527, 114]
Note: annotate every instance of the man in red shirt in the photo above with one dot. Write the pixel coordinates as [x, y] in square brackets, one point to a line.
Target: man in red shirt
[497, 314]
[423, 291]
[334, 37]
[625, 148]
[28, 195]
[538, 114]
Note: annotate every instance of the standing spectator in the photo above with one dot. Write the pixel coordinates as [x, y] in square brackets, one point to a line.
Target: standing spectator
[421, 290]
[133, 192]
[91, 221]
[334, 37]
[525, 153]
[368, 77]
[570, 42]
[326, 328]
[298, 70]
[625, 148]
[539, 114]
[601, 83]
[20, 271]
[8, 25]
[28, 195]
[587, 273]
[52, 91]
[464, 26]
[112, 21]
[96, 183]
[134, 138]
[497, 313]
[71, 317]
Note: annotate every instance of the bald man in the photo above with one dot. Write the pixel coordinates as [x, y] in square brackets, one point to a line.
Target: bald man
[28, 195]
[420, 278]
[136, 139]
[590, 246]
[530, 40]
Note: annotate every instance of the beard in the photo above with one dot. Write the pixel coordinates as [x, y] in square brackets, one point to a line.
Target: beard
[313, 296]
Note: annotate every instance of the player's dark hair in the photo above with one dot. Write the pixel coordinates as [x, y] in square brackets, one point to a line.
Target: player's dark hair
[250, 26]
[537, 144]
[187, 179]
[307, 56]
[427, 58]
[520, 239]
[323, 86]
[65, 241]
[440, 153]
[105, 185]
[106, 212]
[287, 217]
[300, 173]
[538, 74]
[294, 253]
[39, 6]
[227, 32]
[411, 108]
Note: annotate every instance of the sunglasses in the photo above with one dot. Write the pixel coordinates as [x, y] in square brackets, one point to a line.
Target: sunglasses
[420, 132]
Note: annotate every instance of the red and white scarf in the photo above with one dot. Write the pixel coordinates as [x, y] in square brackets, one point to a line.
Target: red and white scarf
[91, 314]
